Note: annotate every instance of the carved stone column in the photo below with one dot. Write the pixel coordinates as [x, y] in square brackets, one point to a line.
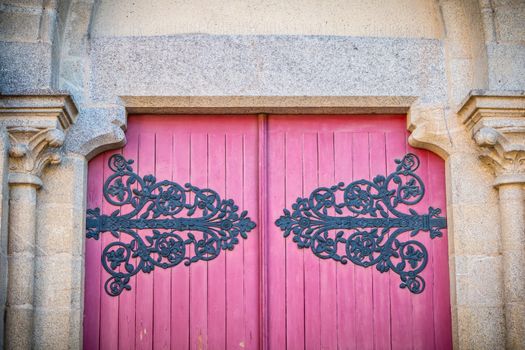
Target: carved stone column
[35, 128]
[497, 123]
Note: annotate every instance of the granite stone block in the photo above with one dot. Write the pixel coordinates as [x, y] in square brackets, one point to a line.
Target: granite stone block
[266, 65]
[24, 67]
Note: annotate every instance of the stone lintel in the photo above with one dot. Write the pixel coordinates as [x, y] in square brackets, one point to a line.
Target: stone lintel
[267, 104]
[496, 120]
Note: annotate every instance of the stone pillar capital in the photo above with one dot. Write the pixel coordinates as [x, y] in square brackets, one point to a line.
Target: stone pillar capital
[35, 126]
[497, 123]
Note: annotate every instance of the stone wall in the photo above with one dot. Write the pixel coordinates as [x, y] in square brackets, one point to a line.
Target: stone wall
[373, 18]
[417, 56]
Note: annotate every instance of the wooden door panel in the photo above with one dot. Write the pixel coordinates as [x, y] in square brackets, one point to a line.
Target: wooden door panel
[300, 300]
[349, 306]
[208, 305]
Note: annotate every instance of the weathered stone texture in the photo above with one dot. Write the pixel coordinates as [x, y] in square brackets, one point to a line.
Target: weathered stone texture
[19, 327]
[19, 25]
[506, 51]
[27, 30]
[480, 327]
[4, 205]
[36, 127]
[506, 66]
[465, 50]
[497, 125]
[266, 65]
[97, 129]
[21, 263]
[24, 67]
[252, 17]
[59, 264]
[477, 280]
[509, 16]
[52, 328]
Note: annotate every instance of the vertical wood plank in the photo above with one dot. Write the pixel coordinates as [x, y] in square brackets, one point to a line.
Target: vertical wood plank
[294, 255]
[235, 322]
[180, 275]
[346, 290]
[442, 313]
[127, 299]
[276, 254]
[144, 296]
[93, 269]
[217, 268]
[198, 270]
[251, 245]
[311, 262]
[108, 305]
[328, 267]
[400, 299]
[262, 229]
[363, 276]
[423, 307]
[162, 277]
[380, 281]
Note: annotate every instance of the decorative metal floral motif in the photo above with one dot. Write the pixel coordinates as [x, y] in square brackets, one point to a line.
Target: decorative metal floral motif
[186, 224]
[370, 235]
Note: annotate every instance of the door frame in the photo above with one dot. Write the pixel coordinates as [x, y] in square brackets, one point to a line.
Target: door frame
[417, 123]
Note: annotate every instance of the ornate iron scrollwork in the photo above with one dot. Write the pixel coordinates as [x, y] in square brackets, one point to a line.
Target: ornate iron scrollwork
[210, 224]
[363, 237]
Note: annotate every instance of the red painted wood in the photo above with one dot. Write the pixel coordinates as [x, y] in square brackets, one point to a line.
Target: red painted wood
[328, 279]
[170, 308]
[217, 271]
[127, 301]
[251, 247]
[180, 277]
[441, 302]
[266, 293]
[108, 306]
[347, 306]
[198, 272]
[234, 261]
[262, 228]
[401, 302]
[380, 282]
[294, 256]
[423, 310]
[161, 277]
[144, 281]
[93, 276]
[346, 287]
[363, 303]
[312, 289]
[276, 244]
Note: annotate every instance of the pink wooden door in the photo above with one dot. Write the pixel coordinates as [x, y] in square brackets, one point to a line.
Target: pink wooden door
[320, 303]
[209, 304]
[266, 292]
